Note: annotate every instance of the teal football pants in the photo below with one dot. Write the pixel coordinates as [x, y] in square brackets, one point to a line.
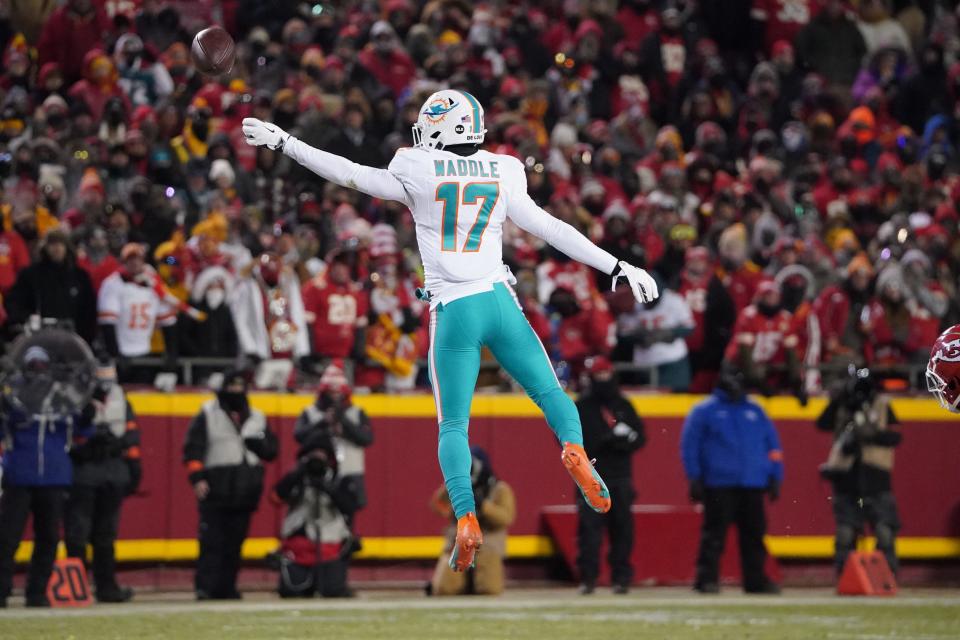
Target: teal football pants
[458, 331]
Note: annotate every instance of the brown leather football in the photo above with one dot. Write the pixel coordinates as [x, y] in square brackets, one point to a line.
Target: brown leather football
[213, 51]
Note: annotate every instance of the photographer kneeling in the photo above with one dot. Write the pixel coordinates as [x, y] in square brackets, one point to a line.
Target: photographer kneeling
[315, 535]
[496, 510]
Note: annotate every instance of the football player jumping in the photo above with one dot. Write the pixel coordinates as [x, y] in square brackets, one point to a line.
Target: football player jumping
[460, 196]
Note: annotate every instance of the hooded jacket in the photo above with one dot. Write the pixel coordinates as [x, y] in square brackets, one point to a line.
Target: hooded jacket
[94, 95]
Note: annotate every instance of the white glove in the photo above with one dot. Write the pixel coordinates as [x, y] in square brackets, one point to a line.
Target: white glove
[264, 134]
[643, 285]
[623, 430]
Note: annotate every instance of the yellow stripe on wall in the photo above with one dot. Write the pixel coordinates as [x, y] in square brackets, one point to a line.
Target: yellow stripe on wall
[421, 405]
[532, 546]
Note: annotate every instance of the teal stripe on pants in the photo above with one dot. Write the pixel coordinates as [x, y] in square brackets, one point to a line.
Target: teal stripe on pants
[458, 331]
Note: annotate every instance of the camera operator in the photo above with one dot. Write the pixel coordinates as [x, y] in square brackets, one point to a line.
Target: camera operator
[346, 424]
[36, 437]
[496, 510]
[225, 446]
[613, 432]
[315, 532]
[106, 469]
[860, 464]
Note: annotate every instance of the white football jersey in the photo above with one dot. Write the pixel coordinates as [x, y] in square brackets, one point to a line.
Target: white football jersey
[135, 310]
[672, 312]
[459, 204]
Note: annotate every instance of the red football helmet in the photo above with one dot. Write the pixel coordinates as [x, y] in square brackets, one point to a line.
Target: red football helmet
[943, 370]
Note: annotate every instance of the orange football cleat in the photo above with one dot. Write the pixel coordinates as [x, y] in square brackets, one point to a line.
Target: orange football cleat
[580, 468]
[469, 539]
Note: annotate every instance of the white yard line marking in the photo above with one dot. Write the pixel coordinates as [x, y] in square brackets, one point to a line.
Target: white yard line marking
[513, 601]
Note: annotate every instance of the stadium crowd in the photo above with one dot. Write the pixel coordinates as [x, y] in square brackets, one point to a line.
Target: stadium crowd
[788, 168]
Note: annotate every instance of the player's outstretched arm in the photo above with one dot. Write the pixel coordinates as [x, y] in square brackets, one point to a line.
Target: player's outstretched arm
[560, 235]
[378, 183]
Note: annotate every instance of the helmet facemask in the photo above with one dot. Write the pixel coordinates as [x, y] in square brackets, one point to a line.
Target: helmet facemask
[940, 388]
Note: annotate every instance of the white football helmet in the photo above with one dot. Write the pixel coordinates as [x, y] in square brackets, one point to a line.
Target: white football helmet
[449, 117]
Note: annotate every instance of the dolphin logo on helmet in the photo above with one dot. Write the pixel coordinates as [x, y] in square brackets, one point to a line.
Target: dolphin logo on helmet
[436, 111]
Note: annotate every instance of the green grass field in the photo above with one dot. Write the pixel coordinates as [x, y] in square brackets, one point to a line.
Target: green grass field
[549, 614]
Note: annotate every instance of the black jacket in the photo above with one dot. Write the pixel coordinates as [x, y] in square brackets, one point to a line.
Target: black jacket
[61, 291]
[215, 337]
[613, 452]
[718, 320]
[105, 459]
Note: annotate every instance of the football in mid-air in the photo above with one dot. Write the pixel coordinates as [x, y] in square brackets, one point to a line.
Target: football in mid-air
[213, 51]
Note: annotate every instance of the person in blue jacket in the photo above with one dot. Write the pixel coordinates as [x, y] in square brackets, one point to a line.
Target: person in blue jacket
[731, 455]
[36, 474]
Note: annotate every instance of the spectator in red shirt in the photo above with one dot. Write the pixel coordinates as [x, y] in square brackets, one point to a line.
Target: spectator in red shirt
[95, 258]
[99, 85]
[559, 271]
[577, 332]
[637, 18]
[838, 309]
[13, 257]
[738, 274]
[797, 290]
[763, 339]
[383, 58]
[838, 185]
[394, 322]
[336, 309]
[783, 19]
[69, 33]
